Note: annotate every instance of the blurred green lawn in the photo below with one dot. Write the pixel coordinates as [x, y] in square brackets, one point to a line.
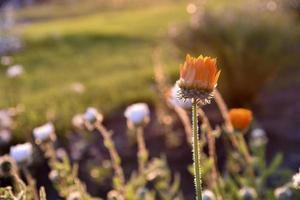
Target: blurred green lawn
[110, 52]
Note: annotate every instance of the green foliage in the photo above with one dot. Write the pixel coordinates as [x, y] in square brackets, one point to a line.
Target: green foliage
[66, 180]
[102, 51]
[159, 175]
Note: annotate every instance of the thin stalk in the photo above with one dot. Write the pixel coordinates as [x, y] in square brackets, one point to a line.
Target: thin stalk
[224, 112]
[142, 150]
[196, 153]
[31, 183]
[211, 146]
[184, 118]
[163, 87]
[115, 158]
[50, 153]
[223, 109]
[245, 151]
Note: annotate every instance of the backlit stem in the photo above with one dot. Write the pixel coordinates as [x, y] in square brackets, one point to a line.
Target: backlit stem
[196, 153]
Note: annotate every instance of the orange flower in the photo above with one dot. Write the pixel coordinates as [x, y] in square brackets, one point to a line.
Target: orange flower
[240, 118]
[199, 73]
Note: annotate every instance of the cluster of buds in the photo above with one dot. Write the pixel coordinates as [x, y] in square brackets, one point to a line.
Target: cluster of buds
[44, 133]
[247, 193]
[198, 79]
[22, 153]
[137, 115]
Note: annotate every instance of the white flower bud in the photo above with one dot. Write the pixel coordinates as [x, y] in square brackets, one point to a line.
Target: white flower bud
[54, 175]
[44, 132]
[91, 115]
[5, 119]
[208, 195]
[15, 71]
[137, 114]
[258, 137]
[175, 101]
[283, 193]
[78, 121]
[21, 153]
[61, 153]
[5, 136]
[296, 180]
[76, 195]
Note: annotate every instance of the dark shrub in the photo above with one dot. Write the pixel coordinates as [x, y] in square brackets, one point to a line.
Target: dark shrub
[251, 39]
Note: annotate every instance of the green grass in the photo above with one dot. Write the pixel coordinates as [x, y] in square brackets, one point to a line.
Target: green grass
[109, 52]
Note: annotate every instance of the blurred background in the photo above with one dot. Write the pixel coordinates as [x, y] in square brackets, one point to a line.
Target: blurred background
[59, 57]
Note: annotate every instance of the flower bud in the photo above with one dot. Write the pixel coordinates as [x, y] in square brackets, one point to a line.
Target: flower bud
[283, 193]
[240, 118]
[75, 195]
[114, 195]
[15, 71]
[296, 180]
[91, 116]
[5, 136]
[208, 195]
[21, 153]
[137, 114]
[61, 154]
[258, 137]
[198, 78]
[7, 166]
[247, 193]
[44, 133]
[78, 121]
[54, 176]
[5, 119]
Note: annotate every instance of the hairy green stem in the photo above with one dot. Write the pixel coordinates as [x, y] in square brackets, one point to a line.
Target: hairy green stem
[196, 153]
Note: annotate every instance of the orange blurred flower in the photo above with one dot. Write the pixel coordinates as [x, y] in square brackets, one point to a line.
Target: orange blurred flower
[198, 78]
[199, 73]
[240, 118]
